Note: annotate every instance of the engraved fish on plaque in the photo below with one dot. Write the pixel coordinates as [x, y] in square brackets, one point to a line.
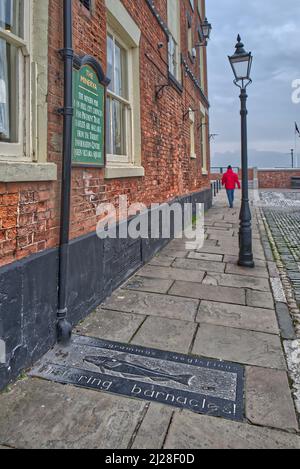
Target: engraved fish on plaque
[125, 368]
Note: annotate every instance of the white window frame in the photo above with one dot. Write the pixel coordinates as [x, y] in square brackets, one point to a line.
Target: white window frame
[203, 138]
[174, 58]
[123, 26]
[174, 65]
[111, 158]
[20, 151]
[26, 161]
[192, 134]
[201, 68]
[190, 35]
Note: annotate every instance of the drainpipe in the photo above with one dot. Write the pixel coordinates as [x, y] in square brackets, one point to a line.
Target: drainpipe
[64, 328]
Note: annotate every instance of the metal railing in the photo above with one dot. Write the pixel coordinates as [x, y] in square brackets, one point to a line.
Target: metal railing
[222, 169]
[216, 186]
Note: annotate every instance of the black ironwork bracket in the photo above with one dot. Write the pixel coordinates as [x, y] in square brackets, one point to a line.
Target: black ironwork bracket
[159, 90]
[65, 111]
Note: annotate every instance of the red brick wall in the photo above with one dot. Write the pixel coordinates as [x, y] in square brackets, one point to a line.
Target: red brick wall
[268, 178]
[280, 179]
[30, 212]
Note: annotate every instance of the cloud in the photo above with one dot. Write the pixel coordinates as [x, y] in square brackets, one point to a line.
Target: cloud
[270, 29]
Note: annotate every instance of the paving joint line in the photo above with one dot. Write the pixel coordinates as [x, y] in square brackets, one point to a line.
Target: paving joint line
[138, 425]
[138, 329]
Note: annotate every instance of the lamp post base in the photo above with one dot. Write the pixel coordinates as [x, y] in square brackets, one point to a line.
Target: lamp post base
[245, 239]
[246, 263]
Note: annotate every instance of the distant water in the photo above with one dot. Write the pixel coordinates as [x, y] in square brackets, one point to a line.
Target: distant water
[259, 159]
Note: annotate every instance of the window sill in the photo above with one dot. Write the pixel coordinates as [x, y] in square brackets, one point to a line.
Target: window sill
[124, 171]
[204, 172]
[27, 172]
[193, 157]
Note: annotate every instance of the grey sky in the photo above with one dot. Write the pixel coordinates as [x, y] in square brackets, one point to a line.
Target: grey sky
[271, 30]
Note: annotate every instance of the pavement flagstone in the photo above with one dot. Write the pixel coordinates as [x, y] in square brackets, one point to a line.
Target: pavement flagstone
[195, 301]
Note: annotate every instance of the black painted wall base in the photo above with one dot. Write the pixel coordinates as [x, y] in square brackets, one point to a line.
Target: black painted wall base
[28, 290]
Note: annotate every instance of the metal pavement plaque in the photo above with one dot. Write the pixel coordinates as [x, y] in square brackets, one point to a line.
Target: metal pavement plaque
[201, 385]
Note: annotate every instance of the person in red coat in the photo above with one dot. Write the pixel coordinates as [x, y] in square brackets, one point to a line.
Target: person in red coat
[230, 180]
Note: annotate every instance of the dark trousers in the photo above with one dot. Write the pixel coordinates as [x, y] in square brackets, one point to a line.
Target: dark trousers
[230, 195]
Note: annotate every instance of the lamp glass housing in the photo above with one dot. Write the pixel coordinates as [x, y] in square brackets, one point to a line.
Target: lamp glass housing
[241, 66]
[206, 29]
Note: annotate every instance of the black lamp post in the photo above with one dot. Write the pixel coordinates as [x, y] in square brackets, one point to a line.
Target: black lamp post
[241, 63]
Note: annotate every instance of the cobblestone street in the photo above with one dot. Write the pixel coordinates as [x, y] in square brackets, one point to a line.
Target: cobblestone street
[197, 302]
[281, 212]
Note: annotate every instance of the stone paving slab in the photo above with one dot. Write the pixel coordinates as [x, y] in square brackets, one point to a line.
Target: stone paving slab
[205, 257]
[148, 284]
[181, 254]
[194, 264]
[258, 299]
[292, 350]
[241, 346]
[285, 322]
[166, 334]
[110, 325]
[150, 304]
[171, 273]
[215, 232]
[260, 272]
[223, 225]
[221, 250]
[241, 317]
[234, 260]
[38, 414]
[278, 291]
[224, 239]
[273, 270]
[228, 242]
[179, 244]
[268, 399]
[153, 430]
[162, 261]
[202, 432]
[237, 281]
[208, 292]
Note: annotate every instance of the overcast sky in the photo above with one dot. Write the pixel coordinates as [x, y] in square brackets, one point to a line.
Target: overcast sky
[271, 30]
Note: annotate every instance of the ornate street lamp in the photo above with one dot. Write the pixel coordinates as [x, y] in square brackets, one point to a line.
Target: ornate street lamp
[206, 28]
[241, 63]
[204, 33]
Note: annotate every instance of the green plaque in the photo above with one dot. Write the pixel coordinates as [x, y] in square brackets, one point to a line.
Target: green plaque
[88, 120]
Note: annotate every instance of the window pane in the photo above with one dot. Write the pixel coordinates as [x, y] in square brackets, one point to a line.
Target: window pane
[173, 57]
[120, 71]
[119, 128]
[8, 92]
[11, 16]
[110, 61]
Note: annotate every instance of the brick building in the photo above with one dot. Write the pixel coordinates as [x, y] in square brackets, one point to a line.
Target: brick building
[157, 150]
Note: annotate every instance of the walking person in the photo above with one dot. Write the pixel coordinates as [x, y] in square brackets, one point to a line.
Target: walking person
[230, 180]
